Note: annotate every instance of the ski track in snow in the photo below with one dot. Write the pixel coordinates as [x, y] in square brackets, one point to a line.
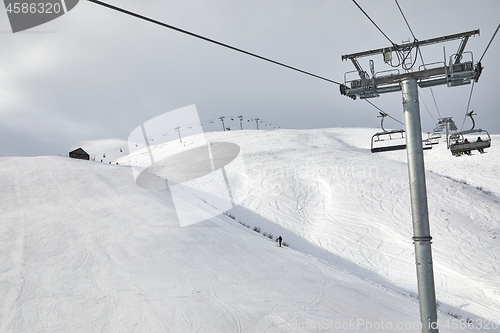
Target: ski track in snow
[385, 192]
[84, 249]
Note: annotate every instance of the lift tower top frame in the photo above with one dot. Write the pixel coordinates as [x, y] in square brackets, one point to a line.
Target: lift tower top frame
[456, 72]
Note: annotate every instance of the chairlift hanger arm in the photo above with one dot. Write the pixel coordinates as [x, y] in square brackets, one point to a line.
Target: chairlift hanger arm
[417, 43]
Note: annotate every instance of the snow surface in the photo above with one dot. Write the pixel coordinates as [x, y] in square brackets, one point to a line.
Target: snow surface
[84, 249]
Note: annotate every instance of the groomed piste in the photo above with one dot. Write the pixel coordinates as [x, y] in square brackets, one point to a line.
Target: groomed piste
[84, 249]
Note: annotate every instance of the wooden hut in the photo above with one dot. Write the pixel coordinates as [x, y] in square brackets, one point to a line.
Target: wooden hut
[80, 154]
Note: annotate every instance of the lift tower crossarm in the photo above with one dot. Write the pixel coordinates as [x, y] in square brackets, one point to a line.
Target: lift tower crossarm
[356, 64]
[417, 43]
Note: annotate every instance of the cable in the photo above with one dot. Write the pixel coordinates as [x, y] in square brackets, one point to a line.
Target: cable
[420, 96]
[373, 22]
[207, 39]
[432, 91]
[400, 55]
[474, 81]
[421, 58]
[491, 40]
[388, 115]
[404, 17]
[468, 104]
[414, 42]
[435, 103]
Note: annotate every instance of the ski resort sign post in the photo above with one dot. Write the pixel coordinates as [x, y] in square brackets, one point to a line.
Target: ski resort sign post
[456, 72]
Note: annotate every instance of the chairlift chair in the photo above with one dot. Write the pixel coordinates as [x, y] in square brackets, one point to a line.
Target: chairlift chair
[432, 138]
[379, 140]
[395, 138]
[435, 135]
[439, 128]
[459, 142]
[459, 145]
[378, 146]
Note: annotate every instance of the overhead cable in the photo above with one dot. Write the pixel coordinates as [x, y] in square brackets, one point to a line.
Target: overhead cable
[207, 39]
[421, 58]
[491, 40]
[474, 81]
[404, 17]
[468, 104]
[373, 22]
[388, 115]
[421, 98]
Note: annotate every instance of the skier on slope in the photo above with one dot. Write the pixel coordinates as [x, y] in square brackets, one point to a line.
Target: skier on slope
[279, 239]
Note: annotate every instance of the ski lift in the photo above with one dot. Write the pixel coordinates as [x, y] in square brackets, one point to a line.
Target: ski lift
[435, 136]
[459, 142]
[432, 138]
[439, 128]
[394, 137]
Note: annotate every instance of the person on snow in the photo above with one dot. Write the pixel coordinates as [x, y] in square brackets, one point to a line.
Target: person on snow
[279, 239]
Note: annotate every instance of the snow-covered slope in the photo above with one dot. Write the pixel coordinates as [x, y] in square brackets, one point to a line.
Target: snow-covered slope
[84, 249]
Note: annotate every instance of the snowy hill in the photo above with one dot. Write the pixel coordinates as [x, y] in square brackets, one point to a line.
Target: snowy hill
[84, 249]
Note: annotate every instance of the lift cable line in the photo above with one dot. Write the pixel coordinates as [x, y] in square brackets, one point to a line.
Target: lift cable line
[419, 51]
[414, 37]
[472, 87]
[432, 91]
[404, 17]
[208, 39]
[422, 59]
[375, 24]
[429, 111]
[468, 105]
[386, 114]
[491, 40]
[402, 53]
[435, 103]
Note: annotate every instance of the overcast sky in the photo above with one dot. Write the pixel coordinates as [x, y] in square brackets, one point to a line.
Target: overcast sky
[91, 76]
